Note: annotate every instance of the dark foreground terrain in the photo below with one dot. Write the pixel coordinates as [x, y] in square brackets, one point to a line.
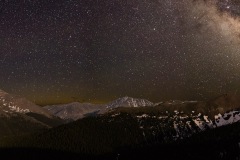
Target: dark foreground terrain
[127, 129]
[219, 143]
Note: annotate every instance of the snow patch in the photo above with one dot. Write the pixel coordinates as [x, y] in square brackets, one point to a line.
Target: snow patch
[227, 118]
[143, 116]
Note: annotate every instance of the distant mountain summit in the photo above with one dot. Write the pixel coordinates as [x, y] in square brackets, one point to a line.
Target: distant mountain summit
[73, 110]
[129, 102]
[76, 110]
[20, 116]
[221, 110]
[15, 104]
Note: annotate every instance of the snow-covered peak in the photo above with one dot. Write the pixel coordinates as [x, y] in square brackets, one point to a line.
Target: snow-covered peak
[14, 104]
[74, 110]
[129, 102]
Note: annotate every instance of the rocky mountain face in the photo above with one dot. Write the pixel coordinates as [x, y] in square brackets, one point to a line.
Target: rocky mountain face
[76, 110]
[181, 119]
[20, 116]
[132, 124]
[73, 111]
[129, 102]
[174, 125]
[14, 104]
[211, 108]
[173, 119]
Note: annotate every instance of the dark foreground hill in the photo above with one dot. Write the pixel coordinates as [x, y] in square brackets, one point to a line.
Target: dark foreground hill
[120, 137]
[214, 144]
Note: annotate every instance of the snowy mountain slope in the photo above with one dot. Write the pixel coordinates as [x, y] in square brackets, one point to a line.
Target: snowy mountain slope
[177, 119]
[163, 123]
[212, 107]
[183, 118]
[20, 116]
[73, 110]
[227, 118]
[78, 110]
[12, 103]
[129, 102]
[171, 125]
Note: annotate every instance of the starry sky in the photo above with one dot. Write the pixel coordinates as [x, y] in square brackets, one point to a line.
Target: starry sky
[58, 51]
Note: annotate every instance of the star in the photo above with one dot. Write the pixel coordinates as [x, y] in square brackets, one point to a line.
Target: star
[51, 51]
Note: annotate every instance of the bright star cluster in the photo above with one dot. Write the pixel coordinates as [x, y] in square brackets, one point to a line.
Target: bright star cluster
[57, 51]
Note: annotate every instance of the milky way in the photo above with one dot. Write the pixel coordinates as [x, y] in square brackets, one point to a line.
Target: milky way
[56, 51]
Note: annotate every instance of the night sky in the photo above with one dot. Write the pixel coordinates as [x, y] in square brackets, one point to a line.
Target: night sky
[57, 51]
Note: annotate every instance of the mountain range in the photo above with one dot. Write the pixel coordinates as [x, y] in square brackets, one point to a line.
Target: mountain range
[76, 110]
[20, 116]
[15, 104]
[73, 111]
[125, 125]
